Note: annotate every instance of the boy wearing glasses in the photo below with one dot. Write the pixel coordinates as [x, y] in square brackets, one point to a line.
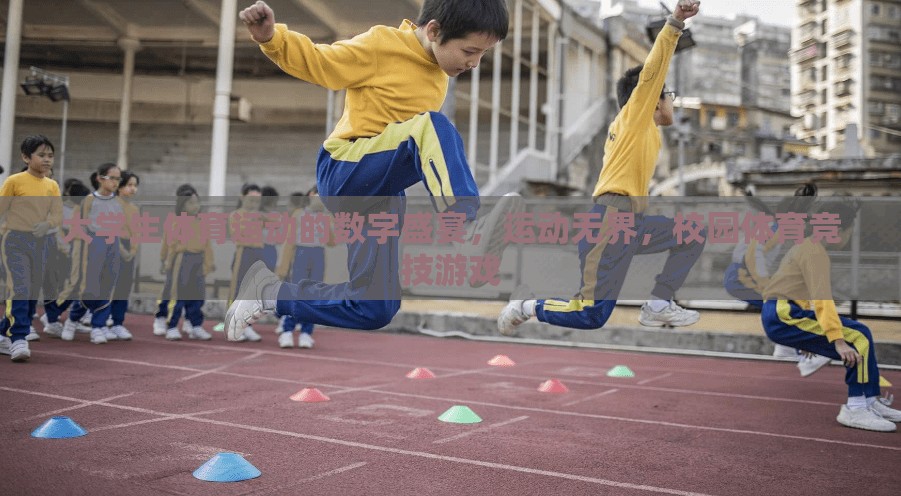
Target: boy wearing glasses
[630, 156]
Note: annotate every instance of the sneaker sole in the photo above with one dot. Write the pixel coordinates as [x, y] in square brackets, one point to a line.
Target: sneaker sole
[20, 358]
[863, 428]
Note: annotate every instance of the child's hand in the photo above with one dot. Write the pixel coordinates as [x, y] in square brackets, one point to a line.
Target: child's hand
[849, 355]
[684, 9]
[40, 229]
[260, 21]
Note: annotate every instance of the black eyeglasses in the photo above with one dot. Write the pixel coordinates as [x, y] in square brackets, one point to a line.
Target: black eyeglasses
[671, 94]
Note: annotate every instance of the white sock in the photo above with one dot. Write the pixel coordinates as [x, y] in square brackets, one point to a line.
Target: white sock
[528, 307]
[871, 400]
[657, 305]
[857, 402]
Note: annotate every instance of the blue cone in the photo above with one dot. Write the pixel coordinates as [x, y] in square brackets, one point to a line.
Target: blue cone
[59, 428]
[226, 467]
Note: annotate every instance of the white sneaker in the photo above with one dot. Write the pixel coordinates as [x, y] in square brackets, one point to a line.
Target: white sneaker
[485, 237]
[199, 333]
[54, 330]
[4, 345]
[86, 320]
[885, 412]
[33, 335]
[286, 340]
[672, 315]
[121, 333]
[248, 305]
[98, 335]
[810, 364]
[68, 332]
[18, 351]
[305, 341]
[252, 335]
[109, 322]
[864, 418]
[173, 334]
[109, 334]
[782, 351]
[159, 326]
[511, 317]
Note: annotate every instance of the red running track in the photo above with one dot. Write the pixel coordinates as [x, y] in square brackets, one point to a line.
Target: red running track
[157, 410]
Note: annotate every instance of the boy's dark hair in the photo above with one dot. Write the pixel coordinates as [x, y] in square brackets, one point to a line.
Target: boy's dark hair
[626, 85]
[458, 18]
[270, 198]
[299, 200]
[77, 190]
[32, 143]
[183, 194]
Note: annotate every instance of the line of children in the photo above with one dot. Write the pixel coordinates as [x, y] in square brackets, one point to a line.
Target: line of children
[31, 204]
[186, 263]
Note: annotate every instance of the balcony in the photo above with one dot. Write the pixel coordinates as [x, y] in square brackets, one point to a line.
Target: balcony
[843, 39]
[809, 52]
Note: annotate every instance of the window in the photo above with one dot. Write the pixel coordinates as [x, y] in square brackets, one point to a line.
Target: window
[824, 73]
[874, 134]
[711, 114]
[824, 97]
[732, 119]
[874, 9]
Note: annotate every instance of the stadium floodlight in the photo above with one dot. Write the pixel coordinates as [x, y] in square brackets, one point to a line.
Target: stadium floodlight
[55, 87]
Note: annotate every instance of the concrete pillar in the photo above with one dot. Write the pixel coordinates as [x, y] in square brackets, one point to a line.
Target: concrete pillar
[10, 80]
[130, 46]
[219, 152]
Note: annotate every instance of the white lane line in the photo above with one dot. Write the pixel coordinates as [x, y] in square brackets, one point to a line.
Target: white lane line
[631, 420]
[451, 459]
[158, 419]
[221, 367]
[652, 379]
[312, 478]
[478, 431]
[593, 396]
[75, 407]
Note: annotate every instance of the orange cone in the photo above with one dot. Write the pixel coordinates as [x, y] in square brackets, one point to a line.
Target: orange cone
[501, 361]
[553, 386]
[420, 373]
[309, 395]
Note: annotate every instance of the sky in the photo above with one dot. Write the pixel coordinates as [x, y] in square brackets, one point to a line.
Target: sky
[781, 12]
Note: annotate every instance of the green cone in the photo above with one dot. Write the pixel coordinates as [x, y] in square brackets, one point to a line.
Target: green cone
[620, 371]
[219, 327]
[460, 414]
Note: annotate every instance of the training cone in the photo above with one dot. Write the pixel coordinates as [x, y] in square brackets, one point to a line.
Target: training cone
[553, 386]
[219, 327]
[226, 467]
[883, 382]
[420, 373]
[501, 361]
[460, 414]
[620, 371]
[309, 395]
[59, 428]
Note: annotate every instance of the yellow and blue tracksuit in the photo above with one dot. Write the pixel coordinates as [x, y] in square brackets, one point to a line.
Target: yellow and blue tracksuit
[188, 264]
[799, 312]
[630, 156]
[126, 279]
[95, 263]
[25, 200]
[390, 137]
[53, 305]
